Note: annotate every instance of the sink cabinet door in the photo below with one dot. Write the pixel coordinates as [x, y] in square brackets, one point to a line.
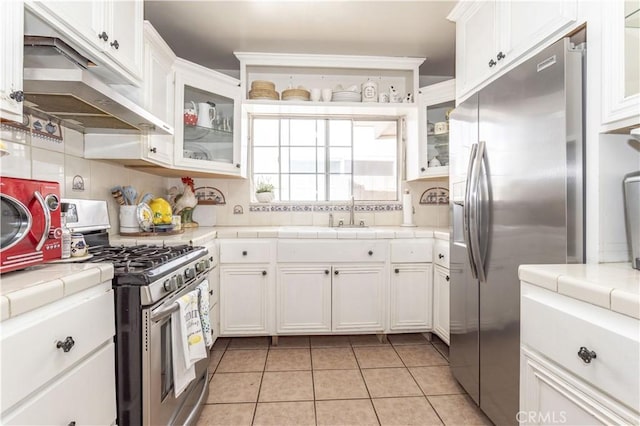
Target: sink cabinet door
[411, 297]
[358, 297]
[303, 301]
[244, 299]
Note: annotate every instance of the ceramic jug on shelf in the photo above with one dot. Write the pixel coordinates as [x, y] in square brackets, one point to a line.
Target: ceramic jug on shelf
[190, 113]
[206, 114]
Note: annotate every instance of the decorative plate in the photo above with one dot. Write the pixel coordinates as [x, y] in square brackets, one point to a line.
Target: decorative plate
[144, 214]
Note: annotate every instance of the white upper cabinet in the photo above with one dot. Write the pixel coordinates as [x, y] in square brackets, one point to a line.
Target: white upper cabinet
[490, 35]
[11, 41]
[106, 31]
[620, 64]
[158, 75]
[207, 117]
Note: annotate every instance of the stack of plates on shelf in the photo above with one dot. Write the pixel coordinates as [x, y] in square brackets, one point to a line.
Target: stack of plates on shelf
[346, 96]
[296, 95]
[261, 89]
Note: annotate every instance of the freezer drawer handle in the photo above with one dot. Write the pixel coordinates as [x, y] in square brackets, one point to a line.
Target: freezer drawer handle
[586, 355]
[66, 345]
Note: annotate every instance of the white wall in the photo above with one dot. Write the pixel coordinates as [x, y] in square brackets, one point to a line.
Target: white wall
[619, 155]
[33, 157]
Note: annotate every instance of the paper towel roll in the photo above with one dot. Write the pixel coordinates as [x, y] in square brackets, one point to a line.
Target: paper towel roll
[407, 210]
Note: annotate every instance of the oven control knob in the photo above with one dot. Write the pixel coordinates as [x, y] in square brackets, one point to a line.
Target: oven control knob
[180, 280]
[189, 273]
[168, 285]
[199, 267]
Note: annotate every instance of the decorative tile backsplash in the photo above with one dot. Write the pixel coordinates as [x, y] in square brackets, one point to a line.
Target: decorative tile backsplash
[325, 208]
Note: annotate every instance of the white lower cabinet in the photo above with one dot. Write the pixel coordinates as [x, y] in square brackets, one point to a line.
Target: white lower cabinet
[303, 302]
[411, 297]
[441, 302]
[244, 299]
[358, 300]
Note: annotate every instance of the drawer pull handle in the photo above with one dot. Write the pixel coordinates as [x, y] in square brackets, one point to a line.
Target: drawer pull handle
[66, 345]
[115, 44]
[326, 272]
[336, 272]
[244, 252]
[370, 252]
[264, 273]
[447, 278]
[586, 355]
[440, 256]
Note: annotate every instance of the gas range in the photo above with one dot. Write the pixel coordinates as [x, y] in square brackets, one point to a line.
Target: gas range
[159, 271]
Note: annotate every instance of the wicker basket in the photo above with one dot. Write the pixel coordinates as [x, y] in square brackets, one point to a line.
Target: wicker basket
[296, 94]
[263, 85]
[264, 94]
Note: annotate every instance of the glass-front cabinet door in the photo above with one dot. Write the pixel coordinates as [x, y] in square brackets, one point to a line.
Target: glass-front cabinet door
[207, 120]
[436, 103]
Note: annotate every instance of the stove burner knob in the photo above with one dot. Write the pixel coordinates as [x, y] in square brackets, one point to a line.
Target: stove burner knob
[189, 273]
[199, 267]
[167, 285]
[207, 263]
[180, 280]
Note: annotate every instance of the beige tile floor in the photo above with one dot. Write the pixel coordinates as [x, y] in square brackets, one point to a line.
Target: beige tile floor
[335, 380]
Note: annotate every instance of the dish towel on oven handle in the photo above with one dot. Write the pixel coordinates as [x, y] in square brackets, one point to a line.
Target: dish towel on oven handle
[187, 341]
[203, 290]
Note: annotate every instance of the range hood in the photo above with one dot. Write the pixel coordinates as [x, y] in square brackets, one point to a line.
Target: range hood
[59, 82]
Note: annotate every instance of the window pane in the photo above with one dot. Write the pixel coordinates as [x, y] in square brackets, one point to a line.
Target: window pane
[340, 132]
[284, 131]
[303, 160]
[321, 160]
[340, 187]
[340, 160]
[303, 132]
[265, 132]
[284, 160]
[375, 160]
[284, 190]
[303, 187]
[265, 160]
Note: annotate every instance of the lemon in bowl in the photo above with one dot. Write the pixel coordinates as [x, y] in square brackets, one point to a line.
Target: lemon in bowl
[161, 210]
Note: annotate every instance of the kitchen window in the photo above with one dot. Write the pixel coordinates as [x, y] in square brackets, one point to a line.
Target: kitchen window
[326, 159]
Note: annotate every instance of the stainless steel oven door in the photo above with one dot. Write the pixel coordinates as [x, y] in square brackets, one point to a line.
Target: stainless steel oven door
[16, 221]
[159, 405]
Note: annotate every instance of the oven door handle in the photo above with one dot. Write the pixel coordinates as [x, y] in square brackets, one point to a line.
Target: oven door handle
[47, 220]
[165, 312]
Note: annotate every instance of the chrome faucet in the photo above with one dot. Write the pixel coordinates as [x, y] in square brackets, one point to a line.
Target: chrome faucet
[352, 211]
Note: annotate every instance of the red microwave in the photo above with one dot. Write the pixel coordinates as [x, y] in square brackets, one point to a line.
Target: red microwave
[30, 223]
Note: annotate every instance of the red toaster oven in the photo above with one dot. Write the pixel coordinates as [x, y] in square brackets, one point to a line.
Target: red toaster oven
[30, 223]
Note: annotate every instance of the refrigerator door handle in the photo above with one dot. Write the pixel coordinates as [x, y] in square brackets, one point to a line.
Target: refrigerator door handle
[474, 217]
[467, 207]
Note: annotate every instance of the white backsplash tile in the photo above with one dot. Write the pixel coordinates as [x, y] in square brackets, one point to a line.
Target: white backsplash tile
[11, 134]
[48, 165]
[206, 215]
[77, 170]
[73, 142]
[49, 144]
[18, 162]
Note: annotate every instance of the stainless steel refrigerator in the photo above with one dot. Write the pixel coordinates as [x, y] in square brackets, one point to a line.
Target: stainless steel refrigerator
[516, 177]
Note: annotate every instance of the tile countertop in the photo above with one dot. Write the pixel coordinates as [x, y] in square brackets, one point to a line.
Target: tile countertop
[36, 286]
[614, 286]
[200, 235]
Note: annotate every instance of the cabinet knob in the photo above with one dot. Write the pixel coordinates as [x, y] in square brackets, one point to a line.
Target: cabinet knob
[370, 252]
[72, 423]
[586, 355]
[154, 150]
[17, 95]
[422, 169]
[501, 56]
[447, 278]
[244, 252]
[326, 272]
[440, 255]
[115, 44]
[264, 273]
[397, 271]
[492, 63]
[211, 292]
[66, 345]
[336, 272]
[237, 165]
[103, 36]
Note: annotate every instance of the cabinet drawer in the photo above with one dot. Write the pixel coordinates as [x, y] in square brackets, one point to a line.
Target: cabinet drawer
[557, 327]
[86, 395]
[441, 253]
[30, 357]
[332, 251]
[243, 251]
[411, 251]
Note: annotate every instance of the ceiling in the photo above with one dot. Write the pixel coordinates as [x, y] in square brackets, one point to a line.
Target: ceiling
[208, 32]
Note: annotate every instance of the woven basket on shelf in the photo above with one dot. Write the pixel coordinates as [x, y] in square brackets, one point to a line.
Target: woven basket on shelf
[264, 94]
[296, 94]
[263, 85]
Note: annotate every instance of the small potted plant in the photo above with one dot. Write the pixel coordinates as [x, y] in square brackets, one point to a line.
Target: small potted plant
[264, 192]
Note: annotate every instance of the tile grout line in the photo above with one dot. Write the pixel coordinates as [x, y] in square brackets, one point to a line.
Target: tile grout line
[365, 384]
[313, 385]
[264, 367]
